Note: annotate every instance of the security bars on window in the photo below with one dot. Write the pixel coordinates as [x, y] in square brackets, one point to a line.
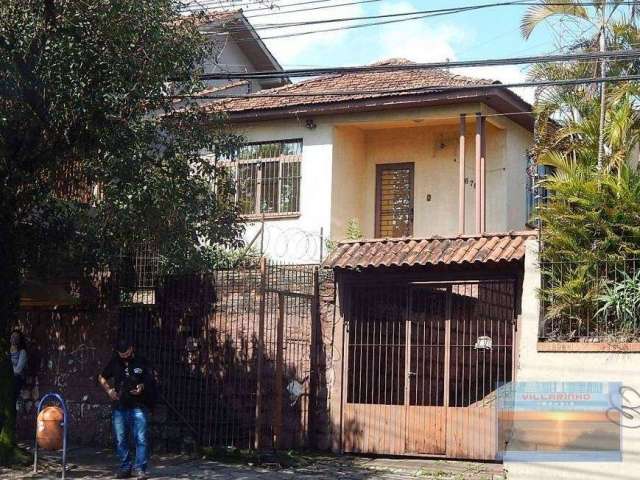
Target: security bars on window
[268, 178]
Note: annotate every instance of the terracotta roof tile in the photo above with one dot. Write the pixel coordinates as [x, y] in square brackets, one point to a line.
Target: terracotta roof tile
[368, 82]
[464, 249]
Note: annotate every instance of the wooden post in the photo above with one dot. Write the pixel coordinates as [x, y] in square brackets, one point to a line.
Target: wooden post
[483, 174]
[261, 315]
[461, 187]
[478, 152]
[279, 386]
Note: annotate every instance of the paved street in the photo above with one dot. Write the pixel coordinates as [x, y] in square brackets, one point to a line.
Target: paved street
[95, 464]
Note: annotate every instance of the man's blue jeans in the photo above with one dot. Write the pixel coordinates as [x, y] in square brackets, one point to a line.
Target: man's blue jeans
[132, 421]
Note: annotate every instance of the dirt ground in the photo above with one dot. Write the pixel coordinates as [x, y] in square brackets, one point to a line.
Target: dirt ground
[98, 464]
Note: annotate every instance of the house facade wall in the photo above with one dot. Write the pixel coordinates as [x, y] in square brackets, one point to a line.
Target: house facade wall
[533, 365]
[298, 238]
[339, 168]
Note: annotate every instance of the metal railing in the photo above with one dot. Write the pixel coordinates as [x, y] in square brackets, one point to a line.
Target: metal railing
[590, 300]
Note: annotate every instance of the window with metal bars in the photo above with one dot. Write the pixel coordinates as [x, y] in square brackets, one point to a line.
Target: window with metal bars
[267, 176]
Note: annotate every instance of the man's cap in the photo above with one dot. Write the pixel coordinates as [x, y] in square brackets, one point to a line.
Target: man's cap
[123, 344]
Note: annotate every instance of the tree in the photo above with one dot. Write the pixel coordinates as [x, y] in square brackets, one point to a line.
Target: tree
[589, 220]
[578, 118]
[95, 155]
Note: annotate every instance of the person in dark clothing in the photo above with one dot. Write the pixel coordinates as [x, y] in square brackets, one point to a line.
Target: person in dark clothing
[132, 393]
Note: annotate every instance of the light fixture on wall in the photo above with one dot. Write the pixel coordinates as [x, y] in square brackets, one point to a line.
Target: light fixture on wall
[483, 343]
[310, 124]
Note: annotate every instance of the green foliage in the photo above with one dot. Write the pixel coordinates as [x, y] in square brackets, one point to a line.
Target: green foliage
[591, 220]
[84, 103]
[568, 116]
[96, 157]
[621, 300]
[353, 230]
[210, 258]
[591, 226]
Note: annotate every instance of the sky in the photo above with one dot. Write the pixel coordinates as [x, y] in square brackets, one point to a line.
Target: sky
[488, 33]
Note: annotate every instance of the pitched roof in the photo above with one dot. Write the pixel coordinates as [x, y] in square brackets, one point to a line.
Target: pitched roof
[373, 85]
[234, 22]
[409, 252]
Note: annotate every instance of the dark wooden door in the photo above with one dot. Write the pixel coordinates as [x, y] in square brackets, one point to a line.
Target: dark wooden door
[394, 200]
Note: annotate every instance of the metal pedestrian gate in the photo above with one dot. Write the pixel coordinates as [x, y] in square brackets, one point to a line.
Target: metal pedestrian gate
[422, 365]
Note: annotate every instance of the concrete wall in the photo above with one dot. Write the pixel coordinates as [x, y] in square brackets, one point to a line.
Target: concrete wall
[339, 167]
[571, 367]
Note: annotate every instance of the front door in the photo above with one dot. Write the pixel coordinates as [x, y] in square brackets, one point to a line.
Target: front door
[394, 200]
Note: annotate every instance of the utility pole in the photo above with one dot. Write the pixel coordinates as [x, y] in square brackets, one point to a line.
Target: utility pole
[603, 74]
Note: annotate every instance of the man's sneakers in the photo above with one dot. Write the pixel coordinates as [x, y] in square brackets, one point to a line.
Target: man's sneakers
[123, 474]
[140, 475]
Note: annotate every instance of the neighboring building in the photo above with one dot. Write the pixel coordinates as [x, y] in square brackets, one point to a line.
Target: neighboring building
[238, 49]
[386, 160]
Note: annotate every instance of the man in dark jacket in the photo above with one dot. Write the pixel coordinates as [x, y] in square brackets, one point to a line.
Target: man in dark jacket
[132, 393]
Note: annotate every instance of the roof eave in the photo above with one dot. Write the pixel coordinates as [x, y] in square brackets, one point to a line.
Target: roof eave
[501, 100]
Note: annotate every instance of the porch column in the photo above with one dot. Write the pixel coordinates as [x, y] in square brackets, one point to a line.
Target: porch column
[480, 174]
[483, 174]
[461, 189]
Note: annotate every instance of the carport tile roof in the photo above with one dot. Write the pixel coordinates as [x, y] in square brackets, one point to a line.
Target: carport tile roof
[408, 252]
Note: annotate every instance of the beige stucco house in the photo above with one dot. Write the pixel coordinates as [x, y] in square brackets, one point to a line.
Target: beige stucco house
[399, 151]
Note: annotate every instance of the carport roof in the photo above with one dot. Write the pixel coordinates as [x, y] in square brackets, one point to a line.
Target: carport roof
[409, 252]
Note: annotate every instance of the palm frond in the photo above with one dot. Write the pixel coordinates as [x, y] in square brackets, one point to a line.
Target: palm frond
[549, 8]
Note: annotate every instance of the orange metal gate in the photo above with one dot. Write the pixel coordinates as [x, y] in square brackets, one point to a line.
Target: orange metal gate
[422, 365]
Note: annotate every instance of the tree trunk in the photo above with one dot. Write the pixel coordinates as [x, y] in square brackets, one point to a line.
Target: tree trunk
[9, 302]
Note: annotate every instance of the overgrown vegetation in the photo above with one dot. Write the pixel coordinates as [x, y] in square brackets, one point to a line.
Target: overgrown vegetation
[590, 220]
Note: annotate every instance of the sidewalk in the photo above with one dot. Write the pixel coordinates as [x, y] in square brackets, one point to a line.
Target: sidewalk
[98, 464]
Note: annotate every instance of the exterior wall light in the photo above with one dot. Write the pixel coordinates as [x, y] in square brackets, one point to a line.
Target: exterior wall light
[483, 343]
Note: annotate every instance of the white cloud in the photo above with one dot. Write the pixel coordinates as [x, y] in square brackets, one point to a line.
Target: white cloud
[418, 40]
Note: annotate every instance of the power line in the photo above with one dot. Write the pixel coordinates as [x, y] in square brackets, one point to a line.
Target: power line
[448, 10]
[337, 5]
[393, 18]
[312, 72]
[229, 4]
[417, 90]
[273, 7]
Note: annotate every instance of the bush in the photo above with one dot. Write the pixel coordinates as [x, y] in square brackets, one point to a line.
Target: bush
[590, 232]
